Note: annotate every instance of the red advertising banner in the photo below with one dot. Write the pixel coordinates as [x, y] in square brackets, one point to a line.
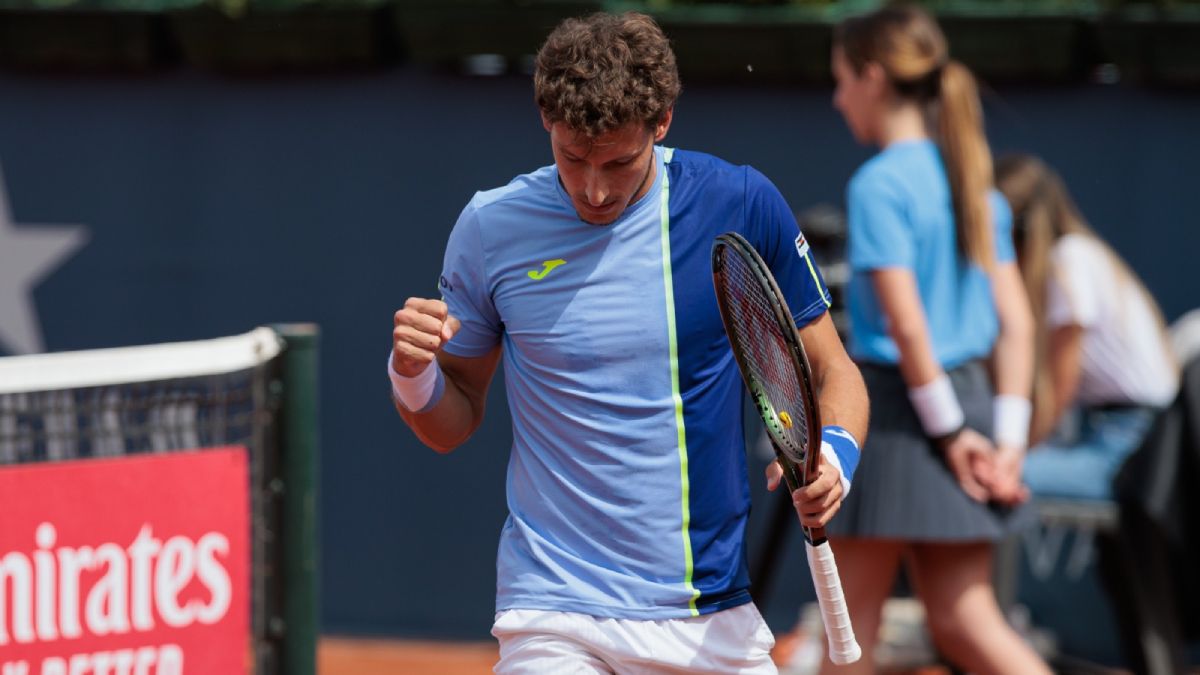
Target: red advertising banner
[130, 566]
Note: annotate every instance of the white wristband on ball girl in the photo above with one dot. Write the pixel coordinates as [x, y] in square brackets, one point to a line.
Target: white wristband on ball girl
[937, 407]
[421, 393]
[1010, 415]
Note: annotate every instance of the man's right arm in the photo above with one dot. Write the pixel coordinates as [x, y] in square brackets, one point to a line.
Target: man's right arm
[453, 410]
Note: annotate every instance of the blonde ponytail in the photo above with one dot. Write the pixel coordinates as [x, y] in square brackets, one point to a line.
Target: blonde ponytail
[968, 162]
[907, 42]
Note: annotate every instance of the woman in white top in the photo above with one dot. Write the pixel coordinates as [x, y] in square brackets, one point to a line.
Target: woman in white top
[1101, 342]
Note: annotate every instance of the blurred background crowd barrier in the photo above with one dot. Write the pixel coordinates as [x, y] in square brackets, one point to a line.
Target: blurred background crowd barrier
[783, 40]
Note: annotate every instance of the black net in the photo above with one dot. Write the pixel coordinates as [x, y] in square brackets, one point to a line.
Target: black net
[143, 417]
[238, 408]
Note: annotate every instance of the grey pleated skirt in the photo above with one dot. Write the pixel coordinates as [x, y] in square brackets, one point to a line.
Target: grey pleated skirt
[903, 489]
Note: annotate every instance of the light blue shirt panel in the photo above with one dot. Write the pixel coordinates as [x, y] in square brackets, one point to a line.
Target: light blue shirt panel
[901, 215]
[594, 488]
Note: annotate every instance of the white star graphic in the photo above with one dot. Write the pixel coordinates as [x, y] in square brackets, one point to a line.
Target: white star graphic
[28, 255]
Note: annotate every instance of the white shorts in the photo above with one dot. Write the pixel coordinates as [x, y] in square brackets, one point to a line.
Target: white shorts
[535, 642]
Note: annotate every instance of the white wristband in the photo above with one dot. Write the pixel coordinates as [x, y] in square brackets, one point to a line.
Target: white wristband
[937, 407]
[1010, 420]
[420, 393]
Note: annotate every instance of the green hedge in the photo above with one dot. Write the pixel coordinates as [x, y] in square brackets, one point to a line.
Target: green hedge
[729, 8]
[758, 41]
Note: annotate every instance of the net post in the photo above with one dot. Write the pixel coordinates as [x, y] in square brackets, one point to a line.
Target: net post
[298, 469]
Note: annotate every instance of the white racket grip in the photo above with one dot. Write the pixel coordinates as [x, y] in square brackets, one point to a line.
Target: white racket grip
[843, 648]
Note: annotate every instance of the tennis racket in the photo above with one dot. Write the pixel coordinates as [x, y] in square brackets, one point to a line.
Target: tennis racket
[768, 351]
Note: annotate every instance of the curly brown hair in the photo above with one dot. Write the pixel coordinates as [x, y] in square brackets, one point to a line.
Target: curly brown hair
[605, 71]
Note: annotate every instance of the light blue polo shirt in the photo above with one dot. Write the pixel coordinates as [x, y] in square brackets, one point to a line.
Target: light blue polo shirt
[627, 487]
[901, 215]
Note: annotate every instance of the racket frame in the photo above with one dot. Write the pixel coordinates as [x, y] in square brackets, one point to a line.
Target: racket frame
[839, 631]
[795, 474]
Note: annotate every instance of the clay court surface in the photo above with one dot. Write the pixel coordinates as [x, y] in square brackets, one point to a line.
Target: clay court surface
[346, 656]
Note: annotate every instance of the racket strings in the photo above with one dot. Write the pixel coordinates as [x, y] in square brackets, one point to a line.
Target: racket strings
[759, 335]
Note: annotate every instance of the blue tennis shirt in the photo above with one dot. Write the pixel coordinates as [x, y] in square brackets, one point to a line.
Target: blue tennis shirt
[627, 487]
[901, 216]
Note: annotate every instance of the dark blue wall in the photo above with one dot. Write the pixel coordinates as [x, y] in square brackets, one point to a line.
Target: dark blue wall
[214, 206]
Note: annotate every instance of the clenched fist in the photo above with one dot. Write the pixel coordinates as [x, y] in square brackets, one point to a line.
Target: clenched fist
[422, 328]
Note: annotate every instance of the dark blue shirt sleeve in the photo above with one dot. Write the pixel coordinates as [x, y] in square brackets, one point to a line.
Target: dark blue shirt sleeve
[772, 229]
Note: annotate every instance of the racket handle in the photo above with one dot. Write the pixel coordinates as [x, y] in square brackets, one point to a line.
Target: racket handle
[843, 648]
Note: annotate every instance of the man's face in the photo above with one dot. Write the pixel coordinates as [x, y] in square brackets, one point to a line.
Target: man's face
[604, 175]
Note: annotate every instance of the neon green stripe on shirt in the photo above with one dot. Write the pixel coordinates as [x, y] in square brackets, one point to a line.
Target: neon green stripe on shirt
[676, 397]
[817, 279]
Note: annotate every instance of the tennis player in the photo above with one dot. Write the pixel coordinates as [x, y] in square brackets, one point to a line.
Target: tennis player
[590, 279]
